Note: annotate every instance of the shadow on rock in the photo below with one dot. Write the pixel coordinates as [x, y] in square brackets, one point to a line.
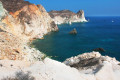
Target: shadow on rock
[21, 76]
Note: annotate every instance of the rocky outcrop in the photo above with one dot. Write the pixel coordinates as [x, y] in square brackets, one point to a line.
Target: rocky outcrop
[26, 20]
[14, 5]
[89, 60]
[101, 67]
[80, 14]
[67, 16]
[21, 22]
[74, 31]
[49, 69]
[99, 49]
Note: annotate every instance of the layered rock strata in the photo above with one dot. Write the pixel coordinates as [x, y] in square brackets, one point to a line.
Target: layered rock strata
[67, 16]
[21, 22]
[24, 19]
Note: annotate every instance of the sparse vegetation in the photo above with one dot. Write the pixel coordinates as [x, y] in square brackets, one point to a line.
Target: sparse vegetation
[1, 65]
[21, 76]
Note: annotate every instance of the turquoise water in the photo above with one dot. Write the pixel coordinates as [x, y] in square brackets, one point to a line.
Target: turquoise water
[99, 32]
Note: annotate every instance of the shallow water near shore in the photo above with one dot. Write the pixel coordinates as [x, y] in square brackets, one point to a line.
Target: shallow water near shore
[99, 32]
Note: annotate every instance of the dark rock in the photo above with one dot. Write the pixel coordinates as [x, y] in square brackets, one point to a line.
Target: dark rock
[99, 49]
[119, 64]
[14, 5]
[23, 16]
[54, 26]
[11, 65]
[1, 30]
[87, 63]
[74, 31]
[1, 65]
[80, 13]
[62, 13]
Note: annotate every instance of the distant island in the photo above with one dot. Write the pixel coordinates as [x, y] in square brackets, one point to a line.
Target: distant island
[67, 16]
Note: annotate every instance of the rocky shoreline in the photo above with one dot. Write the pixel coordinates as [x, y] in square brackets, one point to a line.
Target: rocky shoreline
[18, 61]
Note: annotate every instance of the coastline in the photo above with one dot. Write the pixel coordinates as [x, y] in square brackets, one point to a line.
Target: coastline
[67, 16]
[26, 22]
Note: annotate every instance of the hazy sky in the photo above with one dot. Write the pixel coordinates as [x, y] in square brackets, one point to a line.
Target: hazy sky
[91, 7]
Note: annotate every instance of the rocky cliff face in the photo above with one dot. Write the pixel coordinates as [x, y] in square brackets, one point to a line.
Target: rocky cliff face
[24, 19]
[67, 16]
[108, 69]
[20, 22]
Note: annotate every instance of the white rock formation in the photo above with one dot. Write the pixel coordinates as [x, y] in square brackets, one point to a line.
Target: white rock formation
[66, 16]
[53, 70]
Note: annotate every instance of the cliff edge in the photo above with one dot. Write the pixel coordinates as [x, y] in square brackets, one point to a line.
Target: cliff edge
[20, 23]
[48, 69]
[24, 19]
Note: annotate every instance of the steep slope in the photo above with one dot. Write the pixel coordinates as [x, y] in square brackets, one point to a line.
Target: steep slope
[20, 22]
[25, 19]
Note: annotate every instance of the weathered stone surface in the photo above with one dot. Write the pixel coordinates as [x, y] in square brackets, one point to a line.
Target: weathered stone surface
[32, 21]
[62, 13]
[14, 5]
[15, 48]
[67, 16]
[49, 69]
[21, 22]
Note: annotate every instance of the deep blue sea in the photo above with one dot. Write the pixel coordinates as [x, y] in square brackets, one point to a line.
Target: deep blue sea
[99, 32]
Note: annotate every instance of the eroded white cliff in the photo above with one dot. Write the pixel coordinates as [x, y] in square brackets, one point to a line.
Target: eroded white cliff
[49, 69]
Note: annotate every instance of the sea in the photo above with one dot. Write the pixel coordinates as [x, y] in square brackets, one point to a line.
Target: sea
[98, 32]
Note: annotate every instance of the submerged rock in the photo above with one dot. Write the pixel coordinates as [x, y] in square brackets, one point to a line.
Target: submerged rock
[99, 49]
[74, 31]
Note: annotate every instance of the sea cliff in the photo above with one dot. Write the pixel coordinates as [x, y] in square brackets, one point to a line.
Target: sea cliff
[67, 16]
[20, 23]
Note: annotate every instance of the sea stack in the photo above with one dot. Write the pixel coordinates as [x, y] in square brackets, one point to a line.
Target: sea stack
[74, 31]
[80, 14]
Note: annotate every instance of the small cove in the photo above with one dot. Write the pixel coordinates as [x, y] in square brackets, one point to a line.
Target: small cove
[99, 32]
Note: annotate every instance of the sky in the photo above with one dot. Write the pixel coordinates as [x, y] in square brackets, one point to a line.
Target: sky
[90, 7]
